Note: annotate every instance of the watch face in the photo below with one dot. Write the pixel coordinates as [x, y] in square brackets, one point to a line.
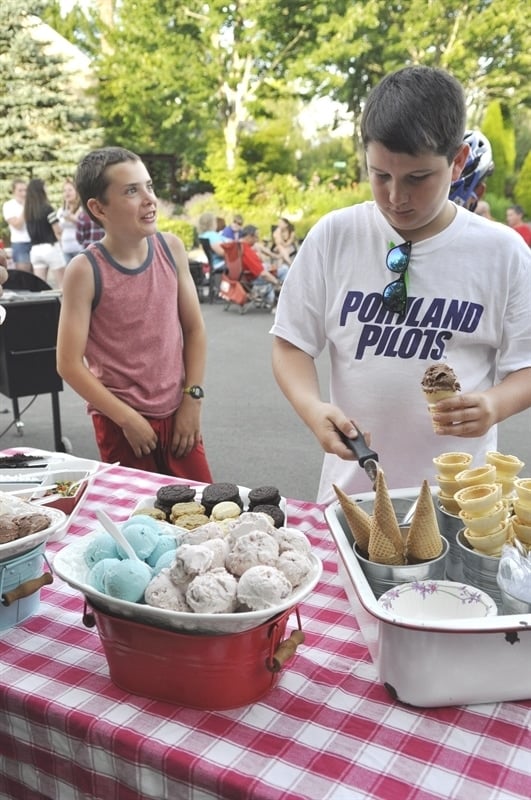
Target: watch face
[196, 392]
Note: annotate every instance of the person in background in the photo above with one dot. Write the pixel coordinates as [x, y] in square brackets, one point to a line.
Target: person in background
[284, 240]
[220, 224]
[233, 231]
[131, 338]
[393, 285]
[68, 216]
[44, 229]
[4, 274]
[255, 272]
[13, 213]
[87, 230]
[483, 209]
[206, 227]
[515, 219]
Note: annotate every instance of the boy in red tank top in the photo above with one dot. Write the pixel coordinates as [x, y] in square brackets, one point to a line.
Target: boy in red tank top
[131, 337]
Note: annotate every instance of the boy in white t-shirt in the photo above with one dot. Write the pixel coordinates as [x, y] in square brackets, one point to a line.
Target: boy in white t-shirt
[393, 285]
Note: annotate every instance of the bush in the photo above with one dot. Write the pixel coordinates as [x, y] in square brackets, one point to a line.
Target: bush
[180, 227]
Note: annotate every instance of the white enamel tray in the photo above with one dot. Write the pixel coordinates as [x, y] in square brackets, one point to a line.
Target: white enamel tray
[434, 662]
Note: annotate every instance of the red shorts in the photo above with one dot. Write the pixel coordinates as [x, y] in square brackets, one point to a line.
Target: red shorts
[113, 446]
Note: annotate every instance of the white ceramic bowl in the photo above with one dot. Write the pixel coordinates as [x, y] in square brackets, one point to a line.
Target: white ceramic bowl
[26, 543]
[437, 600]
[70, 565]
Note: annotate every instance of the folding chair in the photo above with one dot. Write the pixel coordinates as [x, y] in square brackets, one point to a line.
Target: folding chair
[235, 288]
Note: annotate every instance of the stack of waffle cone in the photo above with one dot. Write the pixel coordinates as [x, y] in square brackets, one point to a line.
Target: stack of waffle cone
[386, 545]
[358, 520]
[424, 539]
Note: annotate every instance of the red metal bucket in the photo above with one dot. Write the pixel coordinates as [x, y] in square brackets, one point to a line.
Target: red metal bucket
[194, 670]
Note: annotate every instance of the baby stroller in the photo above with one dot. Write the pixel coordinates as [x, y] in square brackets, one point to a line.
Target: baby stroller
[240, 290]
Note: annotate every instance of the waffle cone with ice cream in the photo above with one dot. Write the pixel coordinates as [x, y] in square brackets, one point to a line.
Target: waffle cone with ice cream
[438, 383]
[424, 541]
[386, 545]
[358, 520]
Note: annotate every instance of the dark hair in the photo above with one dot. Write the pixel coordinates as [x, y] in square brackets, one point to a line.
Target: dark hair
[416, 110]
[91, 179]
[288, 224]
[249, 230]
[517, 210]
[36, 198]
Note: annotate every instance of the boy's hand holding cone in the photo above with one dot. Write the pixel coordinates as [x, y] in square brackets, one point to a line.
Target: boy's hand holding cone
[439, 383]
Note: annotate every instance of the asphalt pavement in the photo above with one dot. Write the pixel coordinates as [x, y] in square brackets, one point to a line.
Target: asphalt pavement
[252, 435]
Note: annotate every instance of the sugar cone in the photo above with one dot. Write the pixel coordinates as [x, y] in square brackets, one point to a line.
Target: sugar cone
[424, 539]
[382, 550]
[386, 545]
[358, 520]
[434, 397]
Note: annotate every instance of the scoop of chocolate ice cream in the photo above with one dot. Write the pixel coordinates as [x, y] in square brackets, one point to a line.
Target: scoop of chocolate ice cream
[440, 378]
[8, 529]
[31, 523]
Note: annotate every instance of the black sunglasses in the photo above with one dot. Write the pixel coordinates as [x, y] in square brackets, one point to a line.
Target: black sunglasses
[394, 296]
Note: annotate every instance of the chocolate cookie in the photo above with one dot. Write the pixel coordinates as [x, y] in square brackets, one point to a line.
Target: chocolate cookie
[263, 496]
[276, 513]
[216, 493]
[168, 496]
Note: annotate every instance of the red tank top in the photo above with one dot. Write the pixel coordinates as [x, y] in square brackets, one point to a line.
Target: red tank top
[135, 338]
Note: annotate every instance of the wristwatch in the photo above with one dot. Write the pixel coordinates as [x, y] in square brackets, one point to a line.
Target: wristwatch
[196, 392]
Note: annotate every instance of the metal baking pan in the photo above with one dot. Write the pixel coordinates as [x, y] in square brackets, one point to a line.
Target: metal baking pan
[432, 663]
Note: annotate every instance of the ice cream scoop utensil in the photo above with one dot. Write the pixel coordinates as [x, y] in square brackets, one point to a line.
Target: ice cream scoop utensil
[410, 513]
[116, 534]
[367, 458]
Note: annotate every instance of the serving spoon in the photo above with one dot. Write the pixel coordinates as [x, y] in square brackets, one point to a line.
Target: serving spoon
[116, 534]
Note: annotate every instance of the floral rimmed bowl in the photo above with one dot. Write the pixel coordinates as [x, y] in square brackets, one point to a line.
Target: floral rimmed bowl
[437, 600]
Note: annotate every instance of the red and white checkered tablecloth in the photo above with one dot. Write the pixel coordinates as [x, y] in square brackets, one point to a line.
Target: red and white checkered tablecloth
[327, 731]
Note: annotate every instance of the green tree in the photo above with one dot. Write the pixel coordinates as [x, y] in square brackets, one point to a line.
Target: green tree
[44, 126]
[522, 189]
[493, 126]
[195, 78]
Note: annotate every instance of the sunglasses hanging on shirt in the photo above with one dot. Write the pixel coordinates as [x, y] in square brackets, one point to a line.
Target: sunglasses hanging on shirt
[394, 295]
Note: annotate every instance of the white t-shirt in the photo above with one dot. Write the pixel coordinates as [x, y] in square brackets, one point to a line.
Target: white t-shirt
[69, 242]
[469, 290]
[12, 208]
